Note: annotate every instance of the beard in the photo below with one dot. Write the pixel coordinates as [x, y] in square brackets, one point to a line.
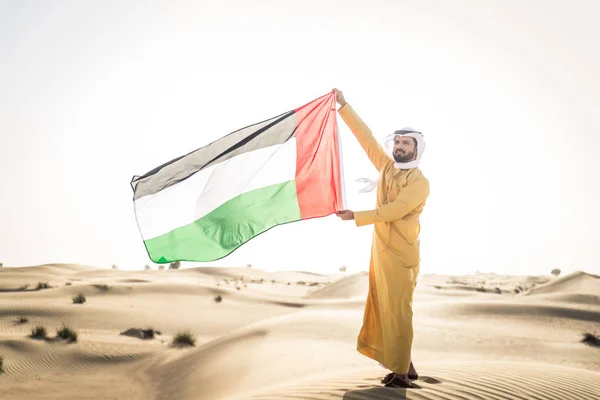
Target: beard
[401, 157]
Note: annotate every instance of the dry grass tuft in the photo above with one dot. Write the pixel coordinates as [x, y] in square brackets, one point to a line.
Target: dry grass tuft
[591, 339]
[79, 299]
[184, 339]
[67, 334]
[39, 332]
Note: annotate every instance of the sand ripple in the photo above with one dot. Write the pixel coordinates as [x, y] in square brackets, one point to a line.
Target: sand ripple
[51, 358]
[494, 381]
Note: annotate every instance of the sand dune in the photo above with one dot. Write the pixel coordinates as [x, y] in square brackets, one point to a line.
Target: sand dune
[579, 287]
[288, 335]
[348, 287]
[577, 282]
[452, 381]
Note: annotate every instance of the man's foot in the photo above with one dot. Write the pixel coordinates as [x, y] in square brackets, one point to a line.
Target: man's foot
[412, 372]
[399, 381]
[387, 378]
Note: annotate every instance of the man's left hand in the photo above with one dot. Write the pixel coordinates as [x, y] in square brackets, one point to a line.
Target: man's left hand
[345, 215]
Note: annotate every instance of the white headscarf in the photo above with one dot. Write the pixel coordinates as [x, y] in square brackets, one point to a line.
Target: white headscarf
[388, 146]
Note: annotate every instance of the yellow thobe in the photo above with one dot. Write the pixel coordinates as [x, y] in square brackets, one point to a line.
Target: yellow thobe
[387, 333]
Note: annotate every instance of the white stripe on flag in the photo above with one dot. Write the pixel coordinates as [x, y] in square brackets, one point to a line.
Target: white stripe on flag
[191, 199]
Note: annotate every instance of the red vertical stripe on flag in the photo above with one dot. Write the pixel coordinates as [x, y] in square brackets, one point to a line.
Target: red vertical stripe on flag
[318, 175]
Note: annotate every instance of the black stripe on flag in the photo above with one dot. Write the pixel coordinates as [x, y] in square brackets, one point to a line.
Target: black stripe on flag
[268, 133]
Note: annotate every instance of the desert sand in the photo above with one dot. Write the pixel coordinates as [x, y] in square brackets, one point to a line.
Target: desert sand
[290, 335]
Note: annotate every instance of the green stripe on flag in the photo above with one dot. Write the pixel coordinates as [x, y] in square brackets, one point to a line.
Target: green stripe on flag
[224, 229]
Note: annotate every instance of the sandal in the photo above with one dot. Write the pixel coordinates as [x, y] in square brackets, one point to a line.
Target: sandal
[396, 382]
[387, 378]
[390, 376]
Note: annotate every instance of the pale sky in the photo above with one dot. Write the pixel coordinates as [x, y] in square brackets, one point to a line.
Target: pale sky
[505, 92]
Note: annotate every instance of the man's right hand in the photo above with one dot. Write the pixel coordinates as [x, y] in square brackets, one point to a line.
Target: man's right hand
[339, 96]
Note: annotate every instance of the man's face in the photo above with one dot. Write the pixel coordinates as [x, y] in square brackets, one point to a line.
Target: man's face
[404, 149]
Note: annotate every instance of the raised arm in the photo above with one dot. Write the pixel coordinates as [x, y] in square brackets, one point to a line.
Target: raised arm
[363, 134]
[409, 198]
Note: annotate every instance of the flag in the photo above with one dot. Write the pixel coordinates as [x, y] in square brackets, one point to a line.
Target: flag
[204, 205]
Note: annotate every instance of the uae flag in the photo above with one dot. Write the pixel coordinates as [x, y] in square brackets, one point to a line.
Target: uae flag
[204, 205]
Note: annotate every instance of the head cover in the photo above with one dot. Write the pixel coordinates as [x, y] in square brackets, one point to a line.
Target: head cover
[388, 145]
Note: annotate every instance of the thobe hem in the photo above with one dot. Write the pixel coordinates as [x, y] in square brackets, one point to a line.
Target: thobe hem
[370, 352]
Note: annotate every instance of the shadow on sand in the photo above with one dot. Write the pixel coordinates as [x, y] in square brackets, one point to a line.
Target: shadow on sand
[379, 393]
[383, 393]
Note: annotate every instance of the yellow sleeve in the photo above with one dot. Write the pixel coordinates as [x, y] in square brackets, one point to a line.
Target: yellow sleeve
[408, 199]
[365, 137]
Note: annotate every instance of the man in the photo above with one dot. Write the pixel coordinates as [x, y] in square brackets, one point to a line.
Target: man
[386, 335]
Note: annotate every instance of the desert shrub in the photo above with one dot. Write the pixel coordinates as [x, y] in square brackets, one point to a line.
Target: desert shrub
[103, 288]
[1, 265]
[591, 339]
[22, 320]
[68, 284]
[161, 267]
[555, 272]
[39, 332]
[184, 339]
[146, 267]
[1, 365]
[314, 284]
[218, 299]
[148, 334]
[343, 269]
[24, 287]
[42, 285]
[249, 266]
[79, 299]
[175, 265]
[144, 334]
[114, 266]
[67, 333]
[300, 283]
[498, 291]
